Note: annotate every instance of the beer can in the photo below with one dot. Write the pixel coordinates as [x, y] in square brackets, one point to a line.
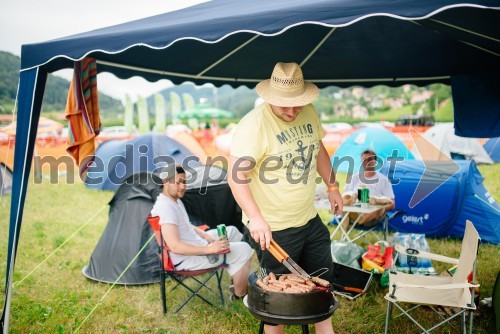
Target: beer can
[221, 230]
[365, 195]
[365, 198]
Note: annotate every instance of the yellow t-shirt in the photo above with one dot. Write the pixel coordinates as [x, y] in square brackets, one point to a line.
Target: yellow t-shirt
[283, 179]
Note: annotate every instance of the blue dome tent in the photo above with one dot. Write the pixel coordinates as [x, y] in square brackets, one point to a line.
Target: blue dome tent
[492, 147]
[116, 160]
[380, 140]
[444, 211]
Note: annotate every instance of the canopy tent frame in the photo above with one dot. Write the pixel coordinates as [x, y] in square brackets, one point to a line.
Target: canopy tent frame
[223, 26]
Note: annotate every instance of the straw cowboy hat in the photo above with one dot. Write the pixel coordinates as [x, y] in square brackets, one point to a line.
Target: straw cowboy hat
[287, 87]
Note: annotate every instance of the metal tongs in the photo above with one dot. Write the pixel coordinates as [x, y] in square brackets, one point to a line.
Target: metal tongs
[283, 258]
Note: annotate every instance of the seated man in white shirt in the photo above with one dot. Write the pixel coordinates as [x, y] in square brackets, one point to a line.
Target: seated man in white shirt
[381, 192]
[192, 248]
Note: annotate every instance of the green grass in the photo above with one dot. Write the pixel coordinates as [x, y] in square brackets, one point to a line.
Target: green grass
[445, 113]
[56, 298]
[391, 115]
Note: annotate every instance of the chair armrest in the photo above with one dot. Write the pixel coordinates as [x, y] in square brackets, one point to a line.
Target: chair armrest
[436, 257]
[438, 286]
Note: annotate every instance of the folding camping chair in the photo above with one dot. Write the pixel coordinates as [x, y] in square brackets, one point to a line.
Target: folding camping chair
[362, 230]
[167, 269]
[454, 291]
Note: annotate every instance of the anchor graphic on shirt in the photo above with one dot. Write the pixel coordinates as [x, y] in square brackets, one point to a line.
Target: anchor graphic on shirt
[301, 165]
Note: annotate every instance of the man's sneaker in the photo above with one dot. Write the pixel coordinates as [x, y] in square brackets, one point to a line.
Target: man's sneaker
[232, 297]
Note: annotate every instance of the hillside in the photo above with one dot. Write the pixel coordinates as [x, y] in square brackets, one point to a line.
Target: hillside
[56, 90]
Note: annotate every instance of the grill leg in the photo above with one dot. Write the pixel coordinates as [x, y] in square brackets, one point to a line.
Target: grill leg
[261, 327]
[305, 329]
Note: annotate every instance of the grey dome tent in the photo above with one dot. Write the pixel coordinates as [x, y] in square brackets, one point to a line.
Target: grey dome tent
[5, 179]
[208, 201]
[126, 233]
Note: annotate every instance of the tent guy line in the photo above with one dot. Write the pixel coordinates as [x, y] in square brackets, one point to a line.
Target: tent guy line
[15, 284]
[410, 19]
[114, 283]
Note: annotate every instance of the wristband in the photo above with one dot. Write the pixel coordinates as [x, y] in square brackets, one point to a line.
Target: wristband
[332, 188]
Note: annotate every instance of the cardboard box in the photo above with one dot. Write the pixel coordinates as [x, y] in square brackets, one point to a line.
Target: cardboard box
[348, 277]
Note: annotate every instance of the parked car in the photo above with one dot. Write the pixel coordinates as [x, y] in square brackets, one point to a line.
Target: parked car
[116, 132]
[415, 120]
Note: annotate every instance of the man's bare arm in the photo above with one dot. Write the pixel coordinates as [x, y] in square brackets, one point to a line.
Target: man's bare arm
[239, 172]
[325, 169]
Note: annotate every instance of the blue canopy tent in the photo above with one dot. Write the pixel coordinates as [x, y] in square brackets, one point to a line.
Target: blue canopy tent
[444, 211]
[347, 158]
[232, 42]
[116, 160]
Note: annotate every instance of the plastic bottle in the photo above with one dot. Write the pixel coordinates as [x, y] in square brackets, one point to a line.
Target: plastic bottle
[412, 243]
[424, 246]
[400, 239]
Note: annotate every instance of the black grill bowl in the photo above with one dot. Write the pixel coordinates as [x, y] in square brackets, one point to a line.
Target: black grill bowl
[318, 303]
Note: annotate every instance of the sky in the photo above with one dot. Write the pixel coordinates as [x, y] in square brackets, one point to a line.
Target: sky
[33, 21]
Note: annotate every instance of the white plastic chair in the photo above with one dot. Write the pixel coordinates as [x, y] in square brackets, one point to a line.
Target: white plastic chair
[454, 291]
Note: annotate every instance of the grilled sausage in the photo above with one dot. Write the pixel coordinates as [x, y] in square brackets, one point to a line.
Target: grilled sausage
[280, 284]
[310, 284]
[296, 279]
[321, 282]
[272, 288]
[293, 290]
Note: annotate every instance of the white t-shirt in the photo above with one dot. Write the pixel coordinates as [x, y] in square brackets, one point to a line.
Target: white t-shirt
[174, 212]
[379, 185]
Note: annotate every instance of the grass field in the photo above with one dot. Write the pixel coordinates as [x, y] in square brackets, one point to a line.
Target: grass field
[57, 298]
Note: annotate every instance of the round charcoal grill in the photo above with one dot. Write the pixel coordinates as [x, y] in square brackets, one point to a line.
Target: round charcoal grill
[289, 308]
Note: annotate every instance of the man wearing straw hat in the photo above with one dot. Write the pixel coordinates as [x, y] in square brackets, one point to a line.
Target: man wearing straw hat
[275, 154]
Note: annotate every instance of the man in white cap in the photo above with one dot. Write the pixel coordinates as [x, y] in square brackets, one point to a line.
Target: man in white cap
[275, 154]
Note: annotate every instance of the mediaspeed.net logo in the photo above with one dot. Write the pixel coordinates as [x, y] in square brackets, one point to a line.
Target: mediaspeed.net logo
[427, 184]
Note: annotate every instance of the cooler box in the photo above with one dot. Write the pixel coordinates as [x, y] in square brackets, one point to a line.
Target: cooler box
[345, 277]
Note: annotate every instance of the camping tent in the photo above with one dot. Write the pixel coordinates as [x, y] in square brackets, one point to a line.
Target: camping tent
[116, 160]
[492, 147]
[126, 233]
[208, 200]
[347, 157]
[443, 137]
[238, 42]
[444, 211]
[5, 179]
